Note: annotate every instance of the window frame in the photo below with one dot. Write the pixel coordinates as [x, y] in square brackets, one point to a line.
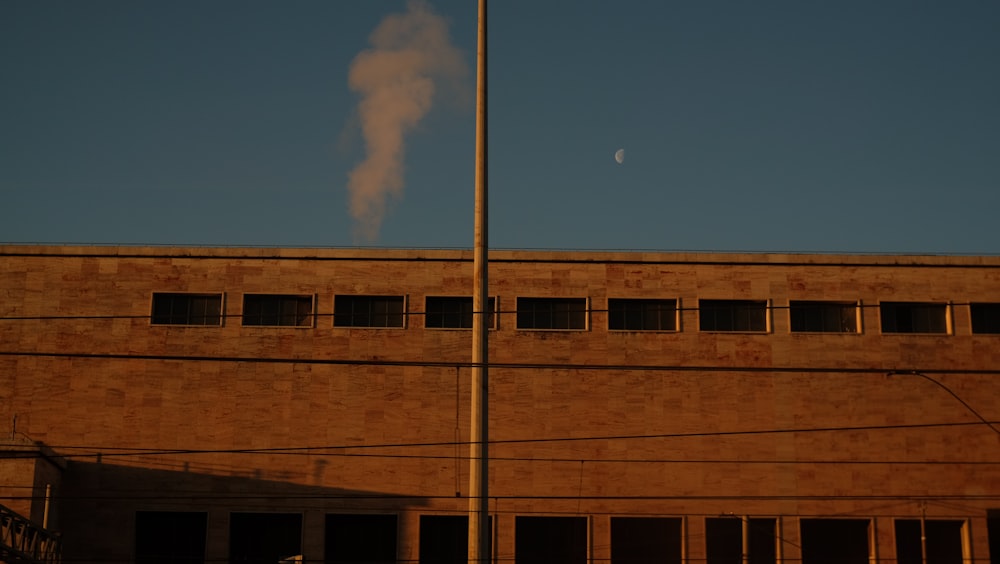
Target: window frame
[190, 295]
[745, 303]
[552, 300]
[929, 536]
[403, 313]
[491, 322]
[723, 545]
[673, 307]
[945, 307]
[309, 317]
[845, 305]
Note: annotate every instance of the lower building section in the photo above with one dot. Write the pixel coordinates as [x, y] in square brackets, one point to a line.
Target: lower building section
[191, 537]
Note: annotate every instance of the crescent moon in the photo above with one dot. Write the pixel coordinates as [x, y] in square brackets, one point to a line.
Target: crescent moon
[620, 156]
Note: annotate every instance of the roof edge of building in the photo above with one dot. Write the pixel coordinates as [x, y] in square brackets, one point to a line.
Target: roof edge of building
[498, 255]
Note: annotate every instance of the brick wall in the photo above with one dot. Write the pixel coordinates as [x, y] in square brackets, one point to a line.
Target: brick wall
[594, 422]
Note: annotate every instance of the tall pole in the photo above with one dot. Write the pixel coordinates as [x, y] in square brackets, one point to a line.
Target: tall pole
[746, 539]
[479, 531]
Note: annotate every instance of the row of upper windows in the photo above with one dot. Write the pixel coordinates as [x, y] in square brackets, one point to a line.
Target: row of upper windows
[624, 314]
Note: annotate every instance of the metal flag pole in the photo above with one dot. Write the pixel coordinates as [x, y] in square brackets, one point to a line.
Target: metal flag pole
[479, 533]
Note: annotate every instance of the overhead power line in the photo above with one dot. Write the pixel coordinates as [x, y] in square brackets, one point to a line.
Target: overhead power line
[106, 451]
[950, 392]
[877, 370]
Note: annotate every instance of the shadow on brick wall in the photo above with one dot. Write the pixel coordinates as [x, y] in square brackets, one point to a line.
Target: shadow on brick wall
[99, 502]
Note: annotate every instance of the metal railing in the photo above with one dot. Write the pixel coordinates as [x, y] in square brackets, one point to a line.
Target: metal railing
[23, 541]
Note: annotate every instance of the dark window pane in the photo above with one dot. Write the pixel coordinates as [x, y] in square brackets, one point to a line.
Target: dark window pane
[453, 312]
[733, 315]
[550, 540]
[834, 541]
[823, 317]
[944, 541]
[187, 309]
[642, 315]
[360, 538]
[724, 540]
[908, 550]
[908, 317]
[264, 538]
[985, 318]
[551, 313]
[640, 540]
[169, 537]
[763, 541]
[993, 534]
[277, 310]
[368, 311]
[444, 539]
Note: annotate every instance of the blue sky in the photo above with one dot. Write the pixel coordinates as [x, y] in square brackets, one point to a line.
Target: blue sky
[847, 126]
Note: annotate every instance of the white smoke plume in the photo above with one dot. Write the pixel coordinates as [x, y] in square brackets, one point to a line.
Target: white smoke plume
[411, 56]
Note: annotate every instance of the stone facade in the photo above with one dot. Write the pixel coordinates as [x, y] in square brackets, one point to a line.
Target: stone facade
[684, 424]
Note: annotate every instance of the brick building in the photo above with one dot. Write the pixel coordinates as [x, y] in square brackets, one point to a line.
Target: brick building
[251, 405]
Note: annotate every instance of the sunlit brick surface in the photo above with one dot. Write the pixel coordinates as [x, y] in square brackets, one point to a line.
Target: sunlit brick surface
[592, 422]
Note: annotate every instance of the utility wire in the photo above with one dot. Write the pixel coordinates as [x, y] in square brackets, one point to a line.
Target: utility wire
[129, 451]
[100, 453]
[503, 365]
[951, 393]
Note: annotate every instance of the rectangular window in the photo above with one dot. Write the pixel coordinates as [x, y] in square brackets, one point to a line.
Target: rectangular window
[642, 315]
[551, 313]
[550, 540]
[368, 311]
[724, 540]
[638, 540]
[277, 310]
[835, 541]
[169, 537]
[733, 315]
[444, 539]
[264, 538]
[823, 317]
[943, 539]
[445, 312]
[985, 318]
[187, 309]
[993, 534]
[914, 317]
[360, 538]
